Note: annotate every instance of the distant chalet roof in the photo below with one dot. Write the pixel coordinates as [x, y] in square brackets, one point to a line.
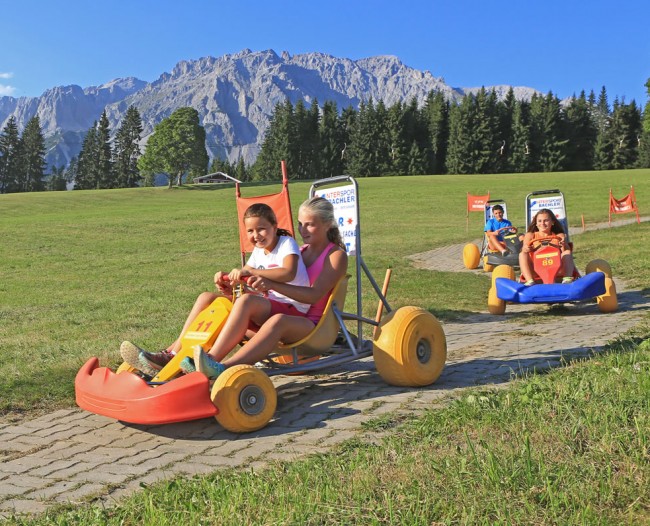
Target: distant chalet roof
[216, 177]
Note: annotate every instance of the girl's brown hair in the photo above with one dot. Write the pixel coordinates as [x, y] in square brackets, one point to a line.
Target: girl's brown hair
[265, 212]
[556, 227]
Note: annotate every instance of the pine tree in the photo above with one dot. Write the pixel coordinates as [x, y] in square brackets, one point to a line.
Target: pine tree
[127, 150]
[626, 129]
[348, 123]
[604, 147]
[279, 144]
[401, 138]
[241, 171]
[57, 180]
[364, 139]
[306, 146]
[417, 160]
[223, 166]
[548, 148]
[485, 138]
[644, 138]
[436, 115]
[10, 148]
[505, 112]
[104, 161]
[460, 153]
[519, 160]
[581, 134]
[331, 141]
[87, 171]
[32, 158]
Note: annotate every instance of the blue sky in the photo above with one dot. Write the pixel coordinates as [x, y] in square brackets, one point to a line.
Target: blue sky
[562, 46]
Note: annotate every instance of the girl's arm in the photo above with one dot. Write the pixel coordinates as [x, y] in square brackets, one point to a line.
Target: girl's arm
[334, 268]
[283, 274]
[526, 243]
[564, 246]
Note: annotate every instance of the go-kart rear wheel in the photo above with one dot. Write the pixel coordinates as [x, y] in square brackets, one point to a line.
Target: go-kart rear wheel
[599, 265]
[245, 397]
[486, 266]
[607, 302]
[471, 256]
[495, 304]
[410, 348]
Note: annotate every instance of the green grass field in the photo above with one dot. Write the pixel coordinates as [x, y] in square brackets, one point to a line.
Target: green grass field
[82, 271]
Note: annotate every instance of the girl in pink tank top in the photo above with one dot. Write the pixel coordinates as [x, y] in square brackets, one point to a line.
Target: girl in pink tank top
[313, 271]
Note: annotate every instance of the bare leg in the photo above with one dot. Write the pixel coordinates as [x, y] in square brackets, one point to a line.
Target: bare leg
[246, 309]
[568, 266]
[494, 244]
[280, 327]
[201, 303]
[524, 265]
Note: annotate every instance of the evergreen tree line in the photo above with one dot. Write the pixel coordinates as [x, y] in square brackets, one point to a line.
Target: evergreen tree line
[22, 158]
[105, 164]
[99, 164]
[480, 134]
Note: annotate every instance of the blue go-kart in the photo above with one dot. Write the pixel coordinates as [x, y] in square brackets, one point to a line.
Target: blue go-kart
[545, 254]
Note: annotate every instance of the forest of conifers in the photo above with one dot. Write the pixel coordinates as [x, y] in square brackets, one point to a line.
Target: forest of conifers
[480, 134]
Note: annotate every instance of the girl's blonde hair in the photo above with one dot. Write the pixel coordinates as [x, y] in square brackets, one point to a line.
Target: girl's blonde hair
[323, 210]
[265, 212]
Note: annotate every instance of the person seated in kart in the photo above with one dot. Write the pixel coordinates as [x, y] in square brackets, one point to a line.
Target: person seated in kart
[326, 261]
[544, 224]
[275, 256]
[493, 230]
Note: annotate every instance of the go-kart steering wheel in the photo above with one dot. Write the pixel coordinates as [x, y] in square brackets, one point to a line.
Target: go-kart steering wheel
[508, 229]
[547, 241]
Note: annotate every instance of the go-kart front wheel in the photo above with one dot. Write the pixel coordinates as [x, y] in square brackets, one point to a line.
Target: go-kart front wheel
[471, 256]
[410, 348]
[607, 302]
[245, 397]
[495, 304]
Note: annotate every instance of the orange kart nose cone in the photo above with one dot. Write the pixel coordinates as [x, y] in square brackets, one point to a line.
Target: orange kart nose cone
[547, 262]
[128, 398]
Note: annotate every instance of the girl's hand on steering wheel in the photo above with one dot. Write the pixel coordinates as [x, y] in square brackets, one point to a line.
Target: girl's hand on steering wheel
[238, 275]
[222, 282]
[259, 283]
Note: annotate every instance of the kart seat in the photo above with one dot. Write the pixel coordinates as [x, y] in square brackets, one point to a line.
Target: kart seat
[326, 330]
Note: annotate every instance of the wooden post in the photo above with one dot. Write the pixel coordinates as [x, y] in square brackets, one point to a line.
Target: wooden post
[380, 307]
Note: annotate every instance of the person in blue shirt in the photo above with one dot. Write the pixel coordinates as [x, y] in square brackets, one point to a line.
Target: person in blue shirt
[495, 238]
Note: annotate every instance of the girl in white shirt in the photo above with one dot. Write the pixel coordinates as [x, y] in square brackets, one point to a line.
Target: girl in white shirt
[276, 257]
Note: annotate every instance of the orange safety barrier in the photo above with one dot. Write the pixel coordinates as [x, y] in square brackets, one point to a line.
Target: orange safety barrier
[476, 203]
[625, 205]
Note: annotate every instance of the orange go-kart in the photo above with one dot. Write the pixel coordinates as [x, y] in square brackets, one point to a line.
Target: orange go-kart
[408, 346]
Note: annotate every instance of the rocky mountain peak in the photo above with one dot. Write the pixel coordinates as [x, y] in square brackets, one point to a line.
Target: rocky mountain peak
[234, 94]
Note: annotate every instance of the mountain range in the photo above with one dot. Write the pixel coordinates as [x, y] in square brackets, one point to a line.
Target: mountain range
[235, 96]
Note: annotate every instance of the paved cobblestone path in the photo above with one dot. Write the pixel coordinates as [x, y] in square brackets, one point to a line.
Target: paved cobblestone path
[72, 455]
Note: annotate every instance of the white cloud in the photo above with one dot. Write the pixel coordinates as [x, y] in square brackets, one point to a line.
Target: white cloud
[6, 90]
